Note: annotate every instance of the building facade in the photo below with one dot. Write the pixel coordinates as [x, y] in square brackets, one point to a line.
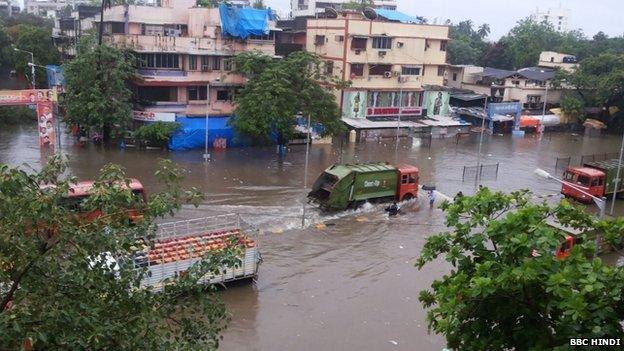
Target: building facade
[9, 8]
[69, 28]
[557, 17]
[301, 8]
[47, 8]
[388, 63]
[551, 59]
[185, 61]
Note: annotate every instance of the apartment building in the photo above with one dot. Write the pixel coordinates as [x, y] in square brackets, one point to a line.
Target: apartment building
[389, 62]
[185, 58]
[48, 8]
[9, 8]
[557, 17]
[301, 8]
[530, 86]
[69, 28]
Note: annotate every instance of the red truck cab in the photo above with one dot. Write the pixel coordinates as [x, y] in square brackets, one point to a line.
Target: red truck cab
[590, 180]
[80, 191]
[407, 182]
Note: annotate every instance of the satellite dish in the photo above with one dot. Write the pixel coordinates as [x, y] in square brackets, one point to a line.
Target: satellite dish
[331, 12]
[370, 13]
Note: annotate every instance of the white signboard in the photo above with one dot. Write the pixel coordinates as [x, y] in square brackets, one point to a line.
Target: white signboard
[153, 116]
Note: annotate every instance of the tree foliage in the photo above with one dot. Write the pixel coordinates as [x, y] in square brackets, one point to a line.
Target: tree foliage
[506, 289]
[277, 91]
[597, 82]
[38, 41]
[467, 45]
[156, 134]
[358, 5]
[58, 287]
[97, 97]
[258, 4]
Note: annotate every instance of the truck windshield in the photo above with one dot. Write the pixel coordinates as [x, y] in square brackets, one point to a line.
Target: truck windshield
[568, 176]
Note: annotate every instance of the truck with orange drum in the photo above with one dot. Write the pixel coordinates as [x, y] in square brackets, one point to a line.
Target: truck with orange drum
[596, 178]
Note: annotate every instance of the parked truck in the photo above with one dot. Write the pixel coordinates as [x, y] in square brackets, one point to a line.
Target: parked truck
[348, 186]
[596, 178]
[181, 244]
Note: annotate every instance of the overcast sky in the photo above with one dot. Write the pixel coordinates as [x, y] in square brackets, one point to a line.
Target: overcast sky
[591, 16]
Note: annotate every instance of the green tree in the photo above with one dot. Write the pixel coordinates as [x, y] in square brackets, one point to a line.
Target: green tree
[38, 41]
[6, 53]
[97, 96]
[467, 46]
[598, 82]
[276, 91]
[59, 288]
[506, 289]
[484, 30]
[527, 40]
[358, 5]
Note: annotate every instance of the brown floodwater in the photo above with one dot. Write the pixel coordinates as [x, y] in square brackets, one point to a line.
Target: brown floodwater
[350, 285]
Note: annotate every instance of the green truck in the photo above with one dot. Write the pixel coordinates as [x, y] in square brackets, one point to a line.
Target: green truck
[343, 186]
[596, 178]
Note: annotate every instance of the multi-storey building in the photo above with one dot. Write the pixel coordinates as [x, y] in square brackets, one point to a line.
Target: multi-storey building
[185, 59]
[312, 7]
[69, 28]
[387, 61]
[47, 8]
[557, 17]
[9, 8]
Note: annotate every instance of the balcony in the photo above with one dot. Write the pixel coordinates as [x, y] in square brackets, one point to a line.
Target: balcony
[188, 45]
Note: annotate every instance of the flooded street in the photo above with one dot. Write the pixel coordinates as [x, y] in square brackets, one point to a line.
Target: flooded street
[348, 285]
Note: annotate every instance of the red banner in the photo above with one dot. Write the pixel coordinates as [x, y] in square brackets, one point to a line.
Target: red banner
[26, 97]
[45, 123]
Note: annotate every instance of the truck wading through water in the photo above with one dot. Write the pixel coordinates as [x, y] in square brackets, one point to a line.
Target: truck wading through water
[596, 178]
[348, 186]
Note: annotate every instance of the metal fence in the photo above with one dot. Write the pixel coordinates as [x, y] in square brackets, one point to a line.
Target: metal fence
[562, 162]
[483, 172]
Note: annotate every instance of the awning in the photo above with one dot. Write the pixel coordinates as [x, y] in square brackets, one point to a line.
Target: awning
[468, 97]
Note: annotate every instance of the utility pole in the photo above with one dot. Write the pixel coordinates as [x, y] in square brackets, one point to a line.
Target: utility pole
[617, 177]
[398, 128]
[206, 154]
[485, 112]
[305, 171]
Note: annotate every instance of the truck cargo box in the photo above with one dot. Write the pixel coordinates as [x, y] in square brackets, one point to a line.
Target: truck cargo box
[609, 168]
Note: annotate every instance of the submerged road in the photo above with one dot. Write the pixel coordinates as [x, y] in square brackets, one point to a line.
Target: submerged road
[348, 285]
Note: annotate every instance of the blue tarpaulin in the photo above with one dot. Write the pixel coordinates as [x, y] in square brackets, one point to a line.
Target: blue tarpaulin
[393, 15]
[55, 75]
[243, 22]
[192, 134]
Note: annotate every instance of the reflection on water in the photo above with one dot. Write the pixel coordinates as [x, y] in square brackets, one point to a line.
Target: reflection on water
[350, 285]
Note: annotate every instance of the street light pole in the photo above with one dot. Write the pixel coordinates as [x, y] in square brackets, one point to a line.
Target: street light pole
[478, 176]
[305, 172]
[206, 154]
[398, 129]
[617, 177]
[32, 65]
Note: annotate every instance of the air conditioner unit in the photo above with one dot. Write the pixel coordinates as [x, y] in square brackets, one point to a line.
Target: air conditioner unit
[388, 74]
[339, 38]
[357, 52]
[381, 53]
[400, 44]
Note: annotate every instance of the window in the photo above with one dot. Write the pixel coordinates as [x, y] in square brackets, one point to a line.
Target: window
[568, 177]
[319, 40]
[329, 67]
[552, 59]
[534, 99]
[596, 182]
[583, 180]
[197, 92]
[404, 179]
[339, 38]
[382, 43]
[224, 95]
[357, 69]
[393, 99]
[441, 70]
[228, 64]
[359, 44]
[216, 63]
[410, 71]
[427, 44]
[159, 61]
[150, 29]
[204, 63]
[192, 63]
[379, 70]
[117, 28]
[516, 82]
[443, 45]
[454, 76]
[166, 94]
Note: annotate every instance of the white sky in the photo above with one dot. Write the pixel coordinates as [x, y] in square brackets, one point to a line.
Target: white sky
[591, 16]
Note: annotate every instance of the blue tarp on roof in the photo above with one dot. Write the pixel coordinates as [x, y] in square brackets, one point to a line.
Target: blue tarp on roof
[243, 22]
[192, 134]
[393, 15]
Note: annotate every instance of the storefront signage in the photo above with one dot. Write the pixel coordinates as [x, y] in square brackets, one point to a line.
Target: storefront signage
[147, 116]
[393, 111]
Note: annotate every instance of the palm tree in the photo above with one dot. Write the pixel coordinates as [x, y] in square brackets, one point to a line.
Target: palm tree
[484, 30]
[258, 4]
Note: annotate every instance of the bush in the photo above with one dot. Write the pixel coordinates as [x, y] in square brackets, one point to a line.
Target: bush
[156, 134]
[17, 115]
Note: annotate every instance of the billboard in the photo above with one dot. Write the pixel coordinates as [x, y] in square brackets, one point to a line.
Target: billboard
[148, 116]
[354, 104]
[437, 103]
[45, 124]
[26, 97]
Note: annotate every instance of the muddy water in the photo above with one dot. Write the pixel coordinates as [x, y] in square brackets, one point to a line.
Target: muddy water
[352, 284]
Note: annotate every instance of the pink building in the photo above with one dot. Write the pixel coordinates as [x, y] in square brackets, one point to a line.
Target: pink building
[185, 59]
